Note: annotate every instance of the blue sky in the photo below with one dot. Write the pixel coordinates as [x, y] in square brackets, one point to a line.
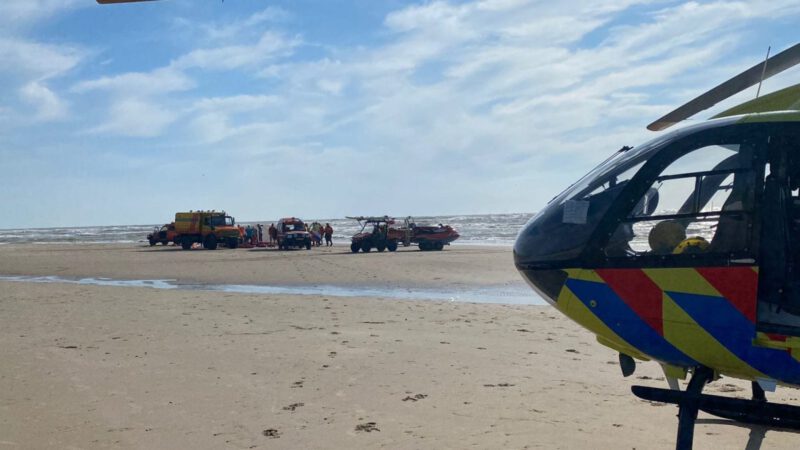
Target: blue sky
[125, 114]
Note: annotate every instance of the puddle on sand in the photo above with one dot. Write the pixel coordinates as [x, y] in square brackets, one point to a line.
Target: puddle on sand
[513, 295]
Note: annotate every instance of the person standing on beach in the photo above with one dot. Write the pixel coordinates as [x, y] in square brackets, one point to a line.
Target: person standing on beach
[248, 231]
[328, 235]
[273, 233]
[317, 230]
[260, 233]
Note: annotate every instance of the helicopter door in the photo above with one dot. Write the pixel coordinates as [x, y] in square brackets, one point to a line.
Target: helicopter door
[779, 277]
[679, 243]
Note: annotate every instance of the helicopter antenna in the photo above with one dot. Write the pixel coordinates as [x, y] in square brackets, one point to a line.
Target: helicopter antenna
[761, 71]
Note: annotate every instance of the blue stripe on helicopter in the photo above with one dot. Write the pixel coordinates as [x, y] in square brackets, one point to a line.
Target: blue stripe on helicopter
[734, 331]
[620, 318]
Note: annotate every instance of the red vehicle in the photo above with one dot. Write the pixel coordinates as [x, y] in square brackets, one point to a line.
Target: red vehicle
[292, 234]
[375, 233]
[164, 235]
[431, 237]
[427, 237]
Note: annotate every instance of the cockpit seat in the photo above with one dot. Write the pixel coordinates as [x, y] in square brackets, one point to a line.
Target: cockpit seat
[731, 234]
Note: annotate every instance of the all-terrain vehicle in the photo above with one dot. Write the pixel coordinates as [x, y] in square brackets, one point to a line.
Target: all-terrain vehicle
[292, 234]
[210, 228]
[163, 235]
[375, 233]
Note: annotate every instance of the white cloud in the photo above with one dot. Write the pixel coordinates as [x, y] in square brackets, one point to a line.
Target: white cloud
[158, 81]
[236, 103]
[135, 117]
[14, 13]
[37, 60]
[269, 46]
[235, 30]
[47, 104]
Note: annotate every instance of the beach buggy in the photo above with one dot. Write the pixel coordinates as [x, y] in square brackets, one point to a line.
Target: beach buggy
[375, 233]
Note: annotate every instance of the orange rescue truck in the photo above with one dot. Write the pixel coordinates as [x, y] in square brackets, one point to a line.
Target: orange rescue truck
[210, 228]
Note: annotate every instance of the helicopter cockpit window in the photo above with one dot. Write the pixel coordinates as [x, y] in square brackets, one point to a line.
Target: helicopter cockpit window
[700, 203]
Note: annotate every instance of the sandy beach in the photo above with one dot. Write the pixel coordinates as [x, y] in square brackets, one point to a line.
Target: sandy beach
[88, 366]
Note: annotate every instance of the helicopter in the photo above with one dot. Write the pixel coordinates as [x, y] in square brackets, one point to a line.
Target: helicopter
[686, 251]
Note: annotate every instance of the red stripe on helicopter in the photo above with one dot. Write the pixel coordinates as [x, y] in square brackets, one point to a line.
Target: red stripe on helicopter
[639, 292]
[739, 285]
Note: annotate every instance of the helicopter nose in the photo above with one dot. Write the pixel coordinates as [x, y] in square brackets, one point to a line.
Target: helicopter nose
[544, 248]
[546, 282]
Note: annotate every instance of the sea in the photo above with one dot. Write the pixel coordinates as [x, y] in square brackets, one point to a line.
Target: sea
[475, 229]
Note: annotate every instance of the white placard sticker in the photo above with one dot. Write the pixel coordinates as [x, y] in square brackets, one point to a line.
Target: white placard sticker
[575, 211]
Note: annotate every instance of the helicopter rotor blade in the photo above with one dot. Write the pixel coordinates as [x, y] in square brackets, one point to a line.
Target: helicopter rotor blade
[108, 2]
[774, 65]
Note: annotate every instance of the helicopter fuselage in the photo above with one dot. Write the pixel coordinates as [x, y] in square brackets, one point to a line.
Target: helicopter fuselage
[684, 250]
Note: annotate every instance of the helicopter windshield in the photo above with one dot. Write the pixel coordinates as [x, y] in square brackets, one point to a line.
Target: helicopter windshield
[617, 169]
[560, 230]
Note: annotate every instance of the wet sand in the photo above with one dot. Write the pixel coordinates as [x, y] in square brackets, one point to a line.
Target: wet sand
[131, 367]
[456, 265]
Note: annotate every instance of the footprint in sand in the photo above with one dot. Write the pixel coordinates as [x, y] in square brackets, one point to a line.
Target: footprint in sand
[414, 398]
[367, 427]
[271, 433]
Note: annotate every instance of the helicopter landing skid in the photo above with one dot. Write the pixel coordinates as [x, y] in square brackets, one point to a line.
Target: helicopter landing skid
[757, 411]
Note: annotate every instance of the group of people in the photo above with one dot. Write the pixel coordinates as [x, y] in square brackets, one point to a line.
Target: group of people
[318, 232]
[254, 235]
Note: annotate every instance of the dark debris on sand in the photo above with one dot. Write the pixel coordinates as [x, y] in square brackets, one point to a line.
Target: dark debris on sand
[271, 433]
[293, 406]
[367, 427]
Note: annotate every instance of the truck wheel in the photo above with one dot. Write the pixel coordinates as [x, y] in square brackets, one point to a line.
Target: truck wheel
[211, 242]
[186, 243]
[391, 245]
[366, 246]
[354, 247]
[233, 243]
[438, 246]
[152, 242]
[423, 246]
[380, 246]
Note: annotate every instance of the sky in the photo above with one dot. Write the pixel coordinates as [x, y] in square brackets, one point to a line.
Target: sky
[128, 113]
